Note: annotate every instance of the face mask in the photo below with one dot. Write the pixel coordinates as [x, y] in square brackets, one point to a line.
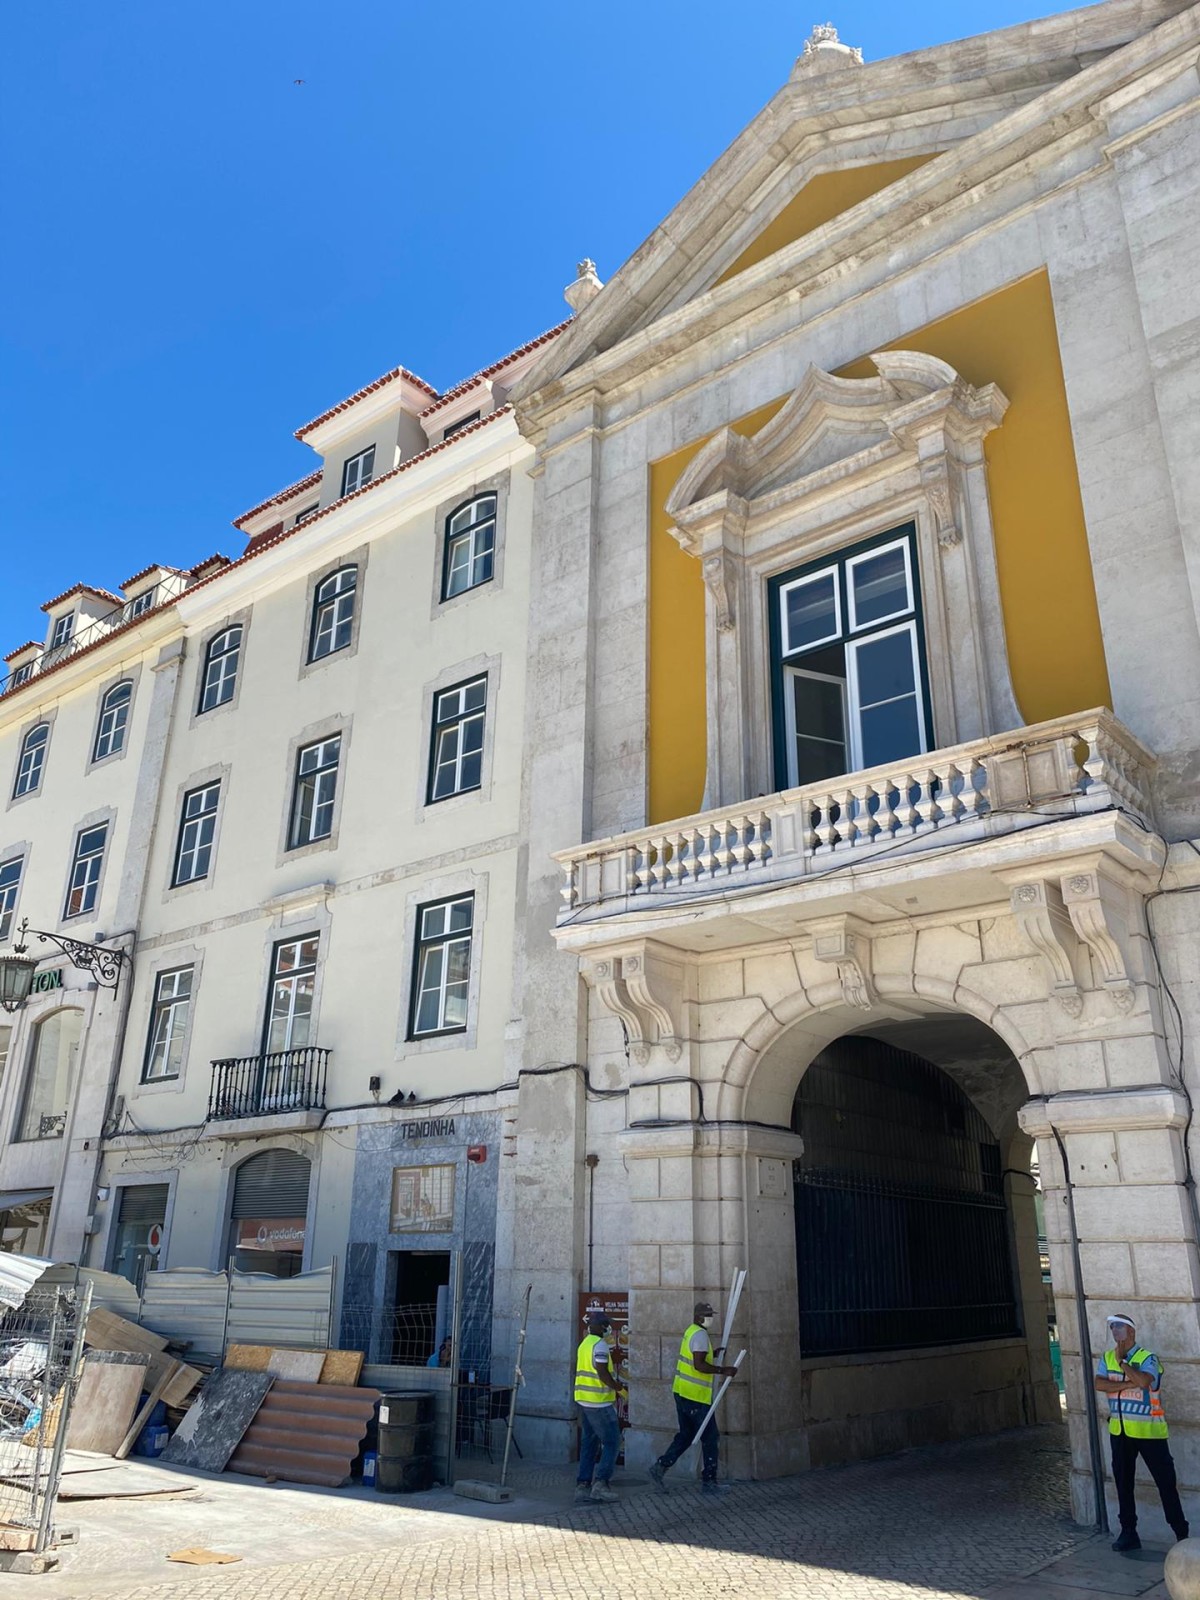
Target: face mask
[706, 1322]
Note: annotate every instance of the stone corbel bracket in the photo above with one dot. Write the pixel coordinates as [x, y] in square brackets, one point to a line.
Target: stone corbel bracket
[845, 943]
[1043, 919]
[714, 530]
[645, 989]
[1100, 912]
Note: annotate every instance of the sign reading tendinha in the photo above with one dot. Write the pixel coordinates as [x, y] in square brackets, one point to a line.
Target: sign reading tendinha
[431, 1128]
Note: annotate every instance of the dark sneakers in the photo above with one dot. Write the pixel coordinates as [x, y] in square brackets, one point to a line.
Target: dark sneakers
[1127, 1539]
[658, 1476]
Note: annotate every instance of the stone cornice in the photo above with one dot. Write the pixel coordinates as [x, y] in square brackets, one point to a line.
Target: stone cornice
[1104, 1111]
[1034, 135]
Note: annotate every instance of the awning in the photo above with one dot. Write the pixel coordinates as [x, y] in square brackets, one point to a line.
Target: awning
[10, 1199]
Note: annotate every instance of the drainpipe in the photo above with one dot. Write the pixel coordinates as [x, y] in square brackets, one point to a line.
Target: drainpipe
[1085, 1342]
[592, 1163]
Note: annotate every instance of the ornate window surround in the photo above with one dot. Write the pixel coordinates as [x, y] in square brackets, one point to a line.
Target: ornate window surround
[844, 460]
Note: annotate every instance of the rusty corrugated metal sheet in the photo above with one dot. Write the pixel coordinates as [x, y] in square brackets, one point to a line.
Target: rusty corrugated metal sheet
[306, 1433]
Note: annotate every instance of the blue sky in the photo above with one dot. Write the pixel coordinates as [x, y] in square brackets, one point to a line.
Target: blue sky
[202, 254]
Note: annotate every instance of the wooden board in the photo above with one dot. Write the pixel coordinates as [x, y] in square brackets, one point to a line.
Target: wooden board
[248, 1357]
[216, 1420]
[109, 1390]
[107, 1331]
[181, 1385]
[342, 1366]
[300, 1366]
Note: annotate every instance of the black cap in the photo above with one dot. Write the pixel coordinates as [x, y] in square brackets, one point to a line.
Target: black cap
[598, 1319]
[702, 1309]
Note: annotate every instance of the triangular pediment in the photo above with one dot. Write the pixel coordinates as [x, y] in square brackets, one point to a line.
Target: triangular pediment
[877, 135]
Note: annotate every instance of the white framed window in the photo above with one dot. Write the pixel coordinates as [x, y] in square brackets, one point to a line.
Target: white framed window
[168, 1025]
[22, 673]
[442, 967]
[10, 886]
[850, 674]
[141, 603]
[470, 546]
[219, 677]
[879, 585]
[114, 719]
[810, 611]
[358, 471]
[456, 751]
[197, 828]
[33, 759]
[309, 511]
[64, 627]
[85, 871]
[333, 613]
[314, 792]
[289, 1016]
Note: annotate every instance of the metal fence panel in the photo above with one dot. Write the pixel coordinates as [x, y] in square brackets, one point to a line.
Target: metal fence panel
[187, 1306]
[109, 1289]
[41, 1349]
[281, 1311]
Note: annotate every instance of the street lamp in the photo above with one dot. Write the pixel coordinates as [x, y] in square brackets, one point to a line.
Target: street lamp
[17, 970]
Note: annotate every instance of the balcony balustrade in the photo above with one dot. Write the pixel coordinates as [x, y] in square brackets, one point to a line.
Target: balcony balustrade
[1069, 767]
[261, 1086]
[91, 632]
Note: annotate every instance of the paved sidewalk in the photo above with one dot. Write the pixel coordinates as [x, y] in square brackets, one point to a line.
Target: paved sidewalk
[983, 1520]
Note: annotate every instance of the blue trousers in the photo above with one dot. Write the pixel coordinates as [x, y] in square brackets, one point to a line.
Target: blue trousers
[691, 1414]
[599, 1443]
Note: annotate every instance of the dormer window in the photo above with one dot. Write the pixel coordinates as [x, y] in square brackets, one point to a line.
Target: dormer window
[22, 673]
[358, 471]
[141, 602]
[64, 627]
[309, 511]
[463, 422]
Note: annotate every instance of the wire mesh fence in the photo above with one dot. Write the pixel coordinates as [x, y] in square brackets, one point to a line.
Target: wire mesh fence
[41, 1350]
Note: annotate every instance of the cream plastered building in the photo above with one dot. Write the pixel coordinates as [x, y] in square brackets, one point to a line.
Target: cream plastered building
[311, 862]
[861, 833]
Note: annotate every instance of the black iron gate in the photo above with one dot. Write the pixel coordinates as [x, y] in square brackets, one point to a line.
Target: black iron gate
[902, 1235]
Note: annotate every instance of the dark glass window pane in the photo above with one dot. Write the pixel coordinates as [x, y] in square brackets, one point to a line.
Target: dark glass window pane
[880, 586]
[885, 668]
[810, 612]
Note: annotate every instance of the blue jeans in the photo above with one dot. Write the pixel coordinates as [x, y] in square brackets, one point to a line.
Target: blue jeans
[691, 1414]
[601, 1438]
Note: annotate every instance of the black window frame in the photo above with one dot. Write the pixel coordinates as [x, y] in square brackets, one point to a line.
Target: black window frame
[841, 559]
[309, 511]
[457, 427]
[365, 478]
[211, 658]
[423, 943]
[207, 815]
[118, 731]
[302, 779]
[158, 1005]
[87, 883]
[439, 726]
[450, 538]
[38, 768]
[274, 977]
[319, 605]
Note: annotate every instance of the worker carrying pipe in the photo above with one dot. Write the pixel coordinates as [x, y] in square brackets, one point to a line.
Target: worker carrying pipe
[693, 1391]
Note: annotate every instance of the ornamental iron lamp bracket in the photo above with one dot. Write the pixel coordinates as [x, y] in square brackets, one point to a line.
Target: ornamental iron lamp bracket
[17, 970]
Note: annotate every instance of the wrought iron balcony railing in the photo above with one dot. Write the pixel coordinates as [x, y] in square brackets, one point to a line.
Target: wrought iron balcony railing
[99, 628]
[1069, 767]
[259, 1086]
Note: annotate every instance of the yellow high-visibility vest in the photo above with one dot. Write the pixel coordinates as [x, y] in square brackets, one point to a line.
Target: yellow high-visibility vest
[1141, 1415]
[690, 1383]
[590, 1388]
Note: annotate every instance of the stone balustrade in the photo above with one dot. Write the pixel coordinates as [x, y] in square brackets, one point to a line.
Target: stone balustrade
[1069, 767]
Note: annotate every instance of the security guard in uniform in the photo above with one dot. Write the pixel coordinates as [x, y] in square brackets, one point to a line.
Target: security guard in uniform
[1130, 1376]
[693, 1390]
[596, 1391]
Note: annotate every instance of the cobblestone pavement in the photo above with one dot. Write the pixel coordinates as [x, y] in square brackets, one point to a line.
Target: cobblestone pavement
[952, 1523]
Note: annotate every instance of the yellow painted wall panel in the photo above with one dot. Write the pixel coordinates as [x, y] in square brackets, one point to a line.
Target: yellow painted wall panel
[822, 198]
[1056, 652]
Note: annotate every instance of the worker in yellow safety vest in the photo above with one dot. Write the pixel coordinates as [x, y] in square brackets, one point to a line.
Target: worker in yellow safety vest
[1131, 1377]
[695, 1370]
[596, 1391]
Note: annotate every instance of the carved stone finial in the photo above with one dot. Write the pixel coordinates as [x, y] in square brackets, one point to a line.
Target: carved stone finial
[586, 287]
[823, 49]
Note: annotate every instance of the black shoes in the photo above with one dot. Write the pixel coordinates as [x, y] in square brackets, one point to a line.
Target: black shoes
[1127, 1539]
[658, 1475]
